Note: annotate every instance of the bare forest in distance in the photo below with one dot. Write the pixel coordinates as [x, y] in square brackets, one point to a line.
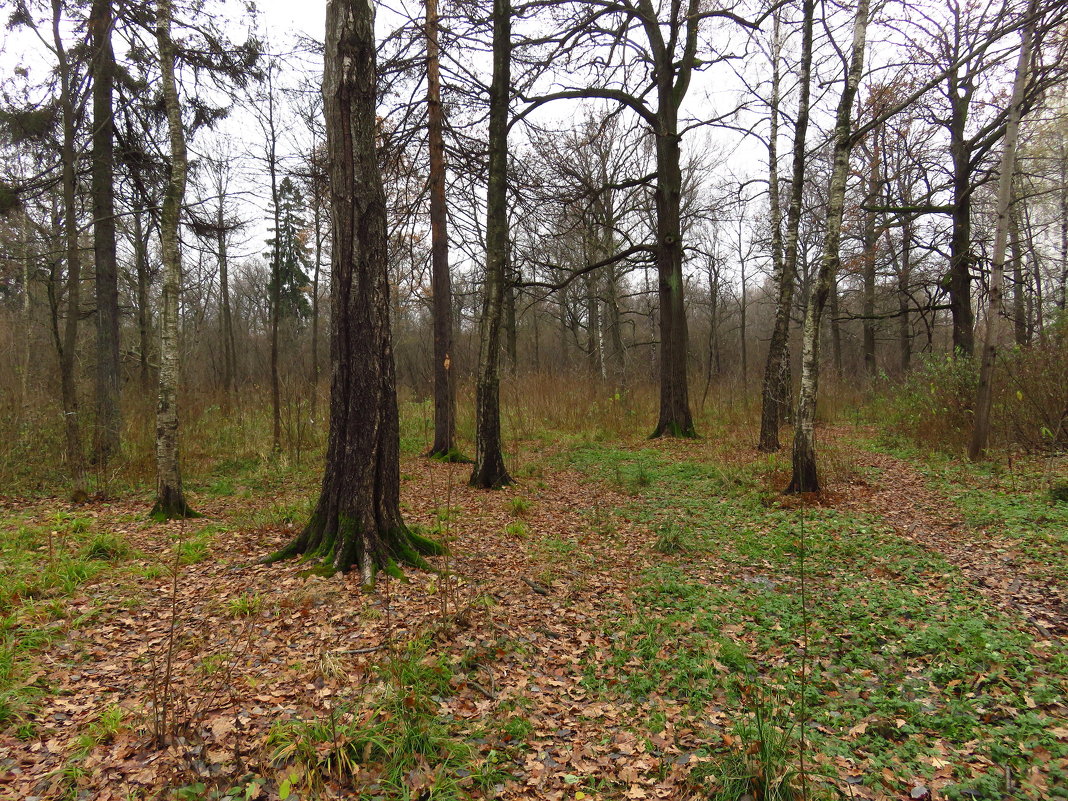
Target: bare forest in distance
[575, 399]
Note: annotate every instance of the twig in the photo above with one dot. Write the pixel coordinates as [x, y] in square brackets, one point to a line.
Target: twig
[369, 650]
[538, 588]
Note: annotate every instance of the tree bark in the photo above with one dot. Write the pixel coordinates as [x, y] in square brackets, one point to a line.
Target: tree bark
[108, 380]
[993, 335]
[69, 342]
[489, 471]
[144, 323]
[357, 521]
[444, 446]
[805, 478]
[775, 396]
[675, 418]
[871, 238]
[960, 243]
[1019, 282]
[229, 347]
[170, 499]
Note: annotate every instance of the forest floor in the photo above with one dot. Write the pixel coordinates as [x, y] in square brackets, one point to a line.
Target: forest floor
[626, 622]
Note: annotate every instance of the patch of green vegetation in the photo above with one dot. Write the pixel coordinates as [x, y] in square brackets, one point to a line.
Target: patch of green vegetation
[408, 749]
[519, 506]
[908, 667]
[518, 529]
[245, 605]
[107, 547]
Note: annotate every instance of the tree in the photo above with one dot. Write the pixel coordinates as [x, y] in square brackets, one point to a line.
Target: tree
[289, 256]
[981, 428]
[804, 477]
[775, 392]
[170, 498]
[108, 386]
[489, 470]
[444, 387]
[357, 521]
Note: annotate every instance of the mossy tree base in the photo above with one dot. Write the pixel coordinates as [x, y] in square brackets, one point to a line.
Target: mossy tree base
[342, 545]
[676, 429]
[171, 505]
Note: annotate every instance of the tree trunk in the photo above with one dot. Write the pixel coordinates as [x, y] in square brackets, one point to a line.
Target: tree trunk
[1019, 282]
[69, 343]
[108, 387]
[357, 521]
[444, 446]
[992, 338]
[871, 239]
[170, 500]
[675, 418]
[276, 269]
[904, 330]
[144, 323]
[805, 477]
[960, 243]
[229, 347]
[775, 395]
[489, 471]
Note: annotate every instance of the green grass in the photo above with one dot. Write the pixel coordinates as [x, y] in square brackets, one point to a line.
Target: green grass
[903, 652]
[1012, 501]
[40, 565]
[392, 743]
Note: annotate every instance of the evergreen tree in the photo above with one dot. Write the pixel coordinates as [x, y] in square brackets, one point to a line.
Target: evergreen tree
[288, 249]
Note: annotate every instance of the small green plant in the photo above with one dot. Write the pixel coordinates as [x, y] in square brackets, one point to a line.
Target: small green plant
[759, 762]
[519, 506]
[671, 539]
[401, 739]
[245, 605]
[518, 529]
[106, 547]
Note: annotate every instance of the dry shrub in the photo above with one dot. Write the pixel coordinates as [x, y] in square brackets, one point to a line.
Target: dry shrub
[933, 406]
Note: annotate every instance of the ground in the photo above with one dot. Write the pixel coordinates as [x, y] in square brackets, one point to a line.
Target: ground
[634, 619]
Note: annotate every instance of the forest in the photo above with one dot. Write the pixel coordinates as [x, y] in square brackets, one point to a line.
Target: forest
[580, 400]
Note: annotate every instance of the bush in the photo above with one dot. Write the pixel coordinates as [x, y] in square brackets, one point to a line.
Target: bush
[933, 405]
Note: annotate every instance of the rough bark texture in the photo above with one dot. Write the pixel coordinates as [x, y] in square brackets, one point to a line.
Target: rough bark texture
[107, 438]
[229, 348]
[675, 418]
[170, 500]
[871, 239]
[357, 521]
[144, 322]
[804, 477]
[776, 388]
[489, 470]
[67, 344]
[959, 281]
[994, 323]
[444, 446]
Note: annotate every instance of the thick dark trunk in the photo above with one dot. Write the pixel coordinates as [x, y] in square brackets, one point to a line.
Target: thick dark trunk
[357, 521]
[108, 433]
[489, 471]
[69, 341]
[776, 392]
[444, 389]
[675, 418]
